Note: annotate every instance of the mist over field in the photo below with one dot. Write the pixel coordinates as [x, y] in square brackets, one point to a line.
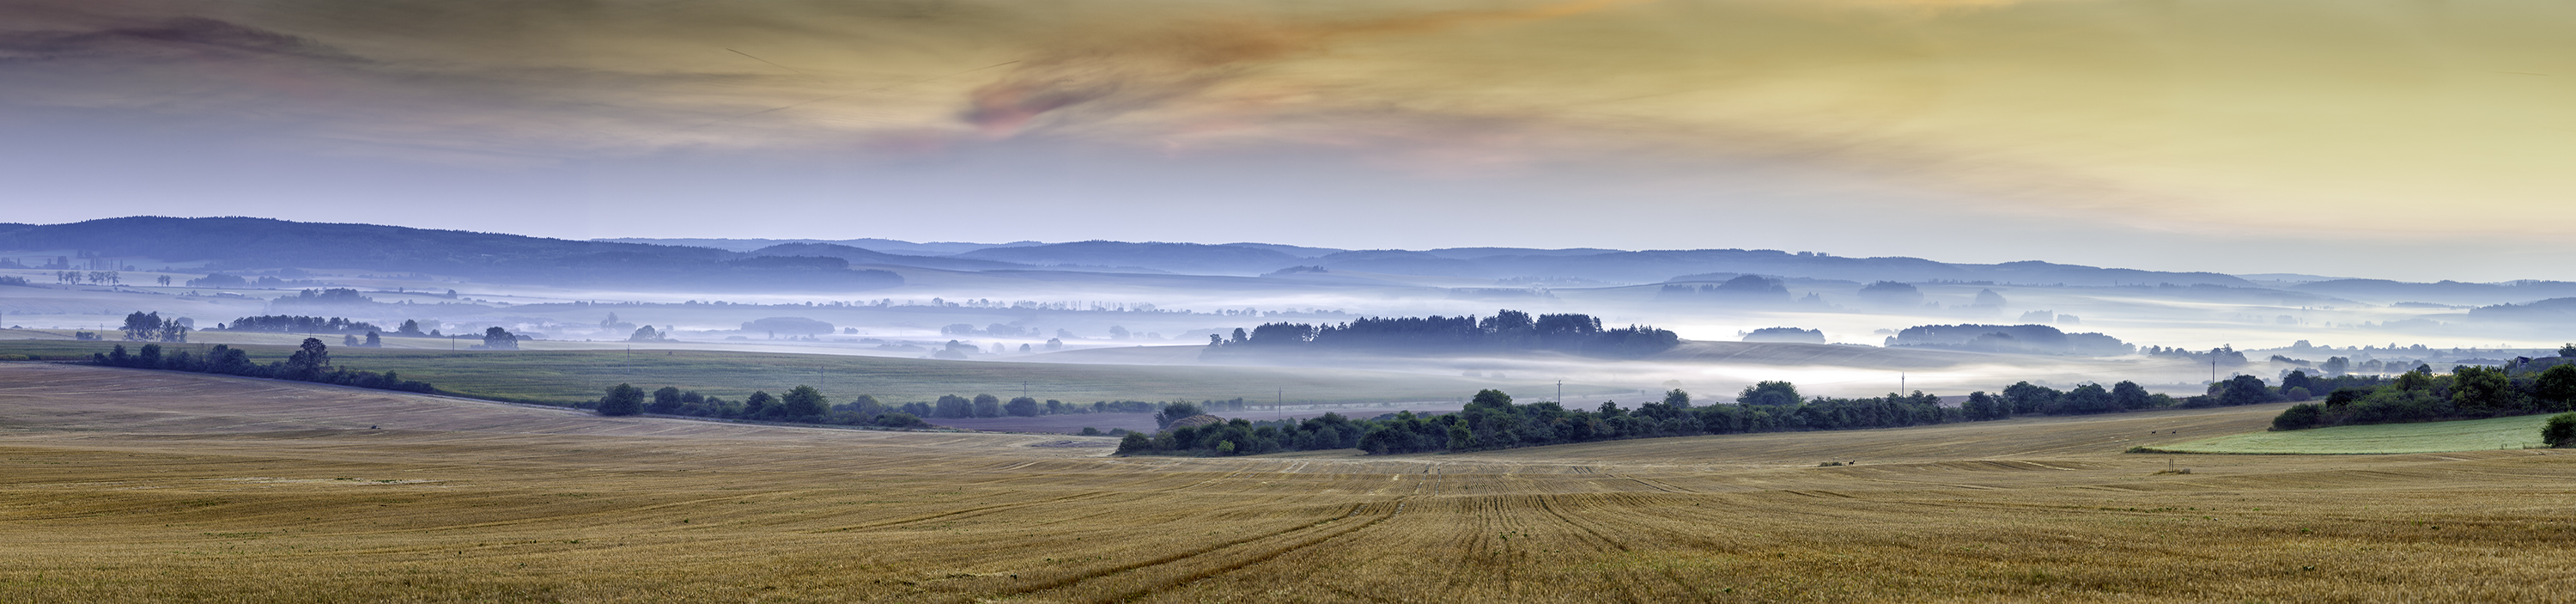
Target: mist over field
[1835, 325]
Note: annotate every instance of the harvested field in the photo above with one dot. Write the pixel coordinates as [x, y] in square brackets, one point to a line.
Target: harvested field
[2426, 437]
[566, 377]
[141, 486]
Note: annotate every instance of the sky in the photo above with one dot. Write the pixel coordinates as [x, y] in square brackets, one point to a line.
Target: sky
[2403, 139]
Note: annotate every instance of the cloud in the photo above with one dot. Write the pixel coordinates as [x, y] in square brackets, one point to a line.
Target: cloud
[184, 38]
[1118, 72]
[2168, 117]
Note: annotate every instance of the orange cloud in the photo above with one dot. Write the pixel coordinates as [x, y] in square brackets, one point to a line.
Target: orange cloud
[1138, 70]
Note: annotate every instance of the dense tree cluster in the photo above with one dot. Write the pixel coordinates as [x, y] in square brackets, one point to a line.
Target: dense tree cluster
[801, 404]
[311, 362]
[1506, 330]
[2024, 339]
[496, 338]
[2468, 392]
[988, 406]
[805, 404]
[298, 324]
[324, 297]
[1492, 421]
[1243, 437]
[150, 327]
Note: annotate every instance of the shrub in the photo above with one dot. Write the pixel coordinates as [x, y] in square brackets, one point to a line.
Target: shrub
[901, 420]
[2297, 417]
[2560, 431]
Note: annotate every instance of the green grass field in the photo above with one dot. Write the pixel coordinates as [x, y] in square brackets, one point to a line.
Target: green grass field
[2431, 437]
[565, 377]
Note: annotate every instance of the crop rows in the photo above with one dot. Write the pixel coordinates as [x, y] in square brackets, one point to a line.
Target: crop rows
[244, 491]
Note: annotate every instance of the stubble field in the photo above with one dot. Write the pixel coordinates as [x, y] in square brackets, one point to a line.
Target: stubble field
[564, 377]
[147, 486]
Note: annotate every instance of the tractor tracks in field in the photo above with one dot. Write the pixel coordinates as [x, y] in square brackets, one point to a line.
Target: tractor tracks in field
[968, 512]
[1548, 503]
[1653, 484]
[562, 517]
[1180, 568]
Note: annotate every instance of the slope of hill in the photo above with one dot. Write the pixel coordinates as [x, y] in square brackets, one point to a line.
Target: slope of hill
[866, 256]
[262, 242]
[891, 246]
[1176, 257]
[2381, 291]
[249, 243]
[2553, 310]
[1662, 265]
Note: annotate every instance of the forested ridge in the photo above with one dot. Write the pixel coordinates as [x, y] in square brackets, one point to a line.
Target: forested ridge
[239, 243]
[1506, 330]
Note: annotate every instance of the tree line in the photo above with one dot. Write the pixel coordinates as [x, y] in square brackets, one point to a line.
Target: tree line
[298, 324]
[2468, 392]
[1492, 421]
[805, 404]
[1506, 330]
[311, 362]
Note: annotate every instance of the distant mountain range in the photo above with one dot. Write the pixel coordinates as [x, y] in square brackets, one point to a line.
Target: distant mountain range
[241, 244]
[1504, 262]
[259, 243]
[935, 248]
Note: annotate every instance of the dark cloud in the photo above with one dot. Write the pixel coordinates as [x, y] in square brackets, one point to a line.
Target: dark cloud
[183, 38]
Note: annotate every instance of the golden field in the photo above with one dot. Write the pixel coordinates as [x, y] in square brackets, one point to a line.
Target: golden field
[121, 485]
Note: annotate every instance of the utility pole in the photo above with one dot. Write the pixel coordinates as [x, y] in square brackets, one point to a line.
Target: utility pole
[1900, 383]
[1560, 391]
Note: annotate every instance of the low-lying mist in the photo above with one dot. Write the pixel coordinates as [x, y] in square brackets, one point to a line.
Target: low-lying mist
[1064, 316]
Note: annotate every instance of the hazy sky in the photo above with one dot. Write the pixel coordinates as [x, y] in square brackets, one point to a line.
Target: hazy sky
[2414, 139]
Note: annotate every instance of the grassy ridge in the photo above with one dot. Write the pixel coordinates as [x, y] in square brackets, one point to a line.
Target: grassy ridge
[2428, 437]
[565, 377]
